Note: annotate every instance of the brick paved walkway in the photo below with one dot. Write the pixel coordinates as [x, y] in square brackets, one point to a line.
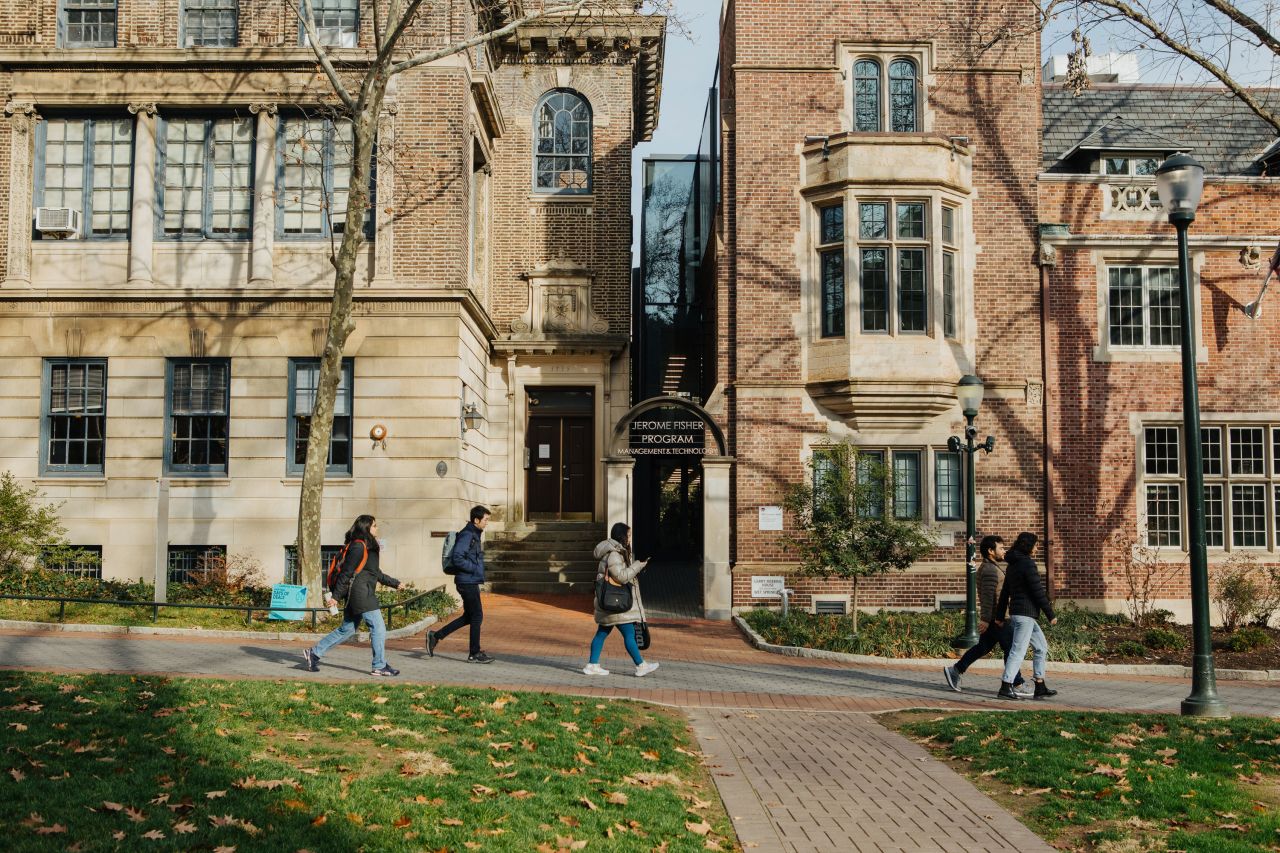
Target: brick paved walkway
[811, 770]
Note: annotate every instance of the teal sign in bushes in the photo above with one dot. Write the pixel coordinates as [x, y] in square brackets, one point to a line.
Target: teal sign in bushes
[285, 596]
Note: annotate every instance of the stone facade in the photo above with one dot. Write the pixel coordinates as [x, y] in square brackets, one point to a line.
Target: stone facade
[462, 240]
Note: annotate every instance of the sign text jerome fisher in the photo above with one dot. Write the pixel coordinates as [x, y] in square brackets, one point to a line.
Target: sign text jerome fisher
[667, 438]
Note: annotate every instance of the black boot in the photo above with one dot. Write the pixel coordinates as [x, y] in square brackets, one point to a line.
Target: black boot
[1006, 692]
[1043, 691]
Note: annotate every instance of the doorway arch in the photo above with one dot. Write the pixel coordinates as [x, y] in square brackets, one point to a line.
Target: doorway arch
[717, 583]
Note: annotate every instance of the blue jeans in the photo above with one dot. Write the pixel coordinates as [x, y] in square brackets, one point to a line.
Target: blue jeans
[1026, 631]
[347, 630]
[628, 632]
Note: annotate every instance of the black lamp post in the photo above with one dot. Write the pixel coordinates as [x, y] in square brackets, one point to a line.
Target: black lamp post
[1180, 181]
[969, 393]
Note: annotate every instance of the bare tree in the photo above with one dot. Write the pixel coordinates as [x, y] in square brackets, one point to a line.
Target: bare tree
[359, 88]
[1224, 40]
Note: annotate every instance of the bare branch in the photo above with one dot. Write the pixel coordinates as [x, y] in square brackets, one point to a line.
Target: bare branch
[1238, 17]
[388, 45]
[1180, 47]
[486, 37]
[307, 15]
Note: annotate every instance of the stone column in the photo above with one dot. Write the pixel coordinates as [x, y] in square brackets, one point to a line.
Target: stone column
[620, 485]
[142, 214]
[262, 265]
[717, 582]
[22, 125]
[384, 195]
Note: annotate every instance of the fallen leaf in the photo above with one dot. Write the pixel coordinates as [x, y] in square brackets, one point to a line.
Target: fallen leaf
[700, 828]
[213, 795]
[401, 822]
[154, 835]
[320, 820]
[183, 827]
[617, 798]
[450, 821]
[56, 829]
[17, 775]
[521, 794]
[1065, 734]
[649, 755]
[112, 807]
[590, 805]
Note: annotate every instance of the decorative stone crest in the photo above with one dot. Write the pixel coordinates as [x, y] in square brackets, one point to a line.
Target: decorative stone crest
[559, 303]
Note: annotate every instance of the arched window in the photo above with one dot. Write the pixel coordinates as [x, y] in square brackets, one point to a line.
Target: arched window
[562, 153]
[902, 96]
[866, 95]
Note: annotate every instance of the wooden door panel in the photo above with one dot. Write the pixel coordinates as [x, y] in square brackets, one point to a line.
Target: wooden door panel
[579, 450]
[544, 465]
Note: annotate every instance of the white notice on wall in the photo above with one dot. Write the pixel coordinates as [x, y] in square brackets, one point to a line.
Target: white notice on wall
[544, 451]
[770, 518]
[767, 586]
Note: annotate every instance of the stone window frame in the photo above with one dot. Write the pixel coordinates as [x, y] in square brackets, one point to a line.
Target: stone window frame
[190, 469]
[108, 16]
[830, 323]
[884, 54]
[210, 171]
[201, 11]
[935, 200]
[1216, 431]
[77, 568]
[927, 472]
[182, 560]
[328, 172]
[1104, 261]
[331, 17]
[90, 171]
[291, 573]
[535, 137]
[346, 382]
[48, 468]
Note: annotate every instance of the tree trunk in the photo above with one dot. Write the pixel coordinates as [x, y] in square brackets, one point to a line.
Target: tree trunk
[855, 605]
[364, 131]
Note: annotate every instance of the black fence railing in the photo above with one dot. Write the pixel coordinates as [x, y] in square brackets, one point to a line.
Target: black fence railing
[248, 609]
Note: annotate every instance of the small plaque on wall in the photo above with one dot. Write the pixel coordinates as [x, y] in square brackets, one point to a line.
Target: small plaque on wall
[767, 586]
[770, 518]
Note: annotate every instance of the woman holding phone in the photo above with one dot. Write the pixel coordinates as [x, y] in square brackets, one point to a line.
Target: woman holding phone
[619, 566]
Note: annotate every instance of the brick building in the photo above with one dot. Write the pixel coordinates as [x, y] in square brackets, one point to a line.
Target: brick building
[170, 181]
[905, 201]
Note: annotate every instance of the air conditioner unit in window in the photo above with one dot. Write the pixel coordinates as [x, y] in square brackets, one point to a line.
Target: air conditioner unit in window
[58, 222]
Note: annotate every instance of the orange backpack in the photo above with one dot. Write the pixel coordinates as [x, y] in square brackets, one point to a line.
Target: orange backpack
[335, 564]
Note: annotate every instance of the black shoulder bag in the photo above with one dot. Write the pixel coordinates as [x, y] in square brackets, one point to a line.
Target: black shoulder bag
[611, 598]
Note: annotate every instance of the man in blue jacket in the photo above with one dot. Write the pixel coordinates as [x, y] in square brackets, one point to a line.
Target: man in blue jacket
[468, 556]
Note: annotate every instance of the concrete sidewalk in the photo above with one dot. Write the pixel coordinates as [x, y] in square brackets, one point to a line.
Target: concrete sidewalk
[802, 766]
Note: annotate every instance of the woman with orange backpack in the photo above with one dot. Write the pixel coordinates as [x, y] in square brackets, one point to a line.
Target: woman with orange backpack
[357, 581]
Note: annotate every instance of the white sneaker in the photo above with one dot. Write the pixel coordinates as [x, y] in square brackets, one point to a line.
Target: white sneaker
[594, 669]
[645, 668]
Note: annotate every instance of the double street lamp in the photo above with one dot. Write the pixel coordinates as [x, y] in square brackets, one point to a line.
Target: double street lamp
[969, 392]
[1180, 182]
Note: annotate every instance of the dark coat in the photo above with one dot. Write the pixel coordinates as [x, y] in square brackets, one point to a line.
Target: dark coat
[468, 555]
[360, 590]
[990, 577]
[1023, 593]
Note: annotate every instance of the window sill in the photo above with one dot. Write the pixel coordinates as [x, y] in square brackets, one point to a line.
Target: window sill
[328, 481]
[52, 479]
[1146, 356]
[562, 198]
[183, 481]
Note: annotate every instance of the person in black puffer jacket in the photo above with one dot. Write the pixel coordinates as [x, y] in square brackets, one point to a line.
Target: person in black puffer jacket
[1024, 598]
[357, 583]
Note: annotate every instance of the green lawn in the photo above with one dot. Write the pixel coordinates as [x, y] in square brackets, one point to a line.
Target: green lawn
[1120, 782]
[106, 762]
[440, 603]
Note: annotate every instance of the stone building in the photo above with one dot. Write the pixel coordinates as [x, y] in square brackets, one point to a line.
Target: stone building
[171, 178]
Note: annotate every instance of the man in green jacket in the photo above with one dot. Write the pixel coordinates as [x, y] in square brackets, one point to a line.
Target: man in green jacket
[991, 632]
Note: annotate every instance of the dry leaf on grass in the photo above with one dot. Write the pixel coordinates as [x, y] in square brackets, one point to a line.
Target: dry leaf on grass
[183, 827]
[56, 829]
[154, 835]
[450, 821]
[616, 797]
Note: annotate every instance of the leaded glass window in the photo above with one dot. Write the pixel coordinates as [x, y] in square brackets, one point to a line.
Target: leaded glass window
[562, 158]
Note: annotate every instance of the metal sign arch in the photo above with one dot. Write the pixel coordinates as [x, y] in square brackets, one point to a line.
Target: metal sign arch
[668, 402]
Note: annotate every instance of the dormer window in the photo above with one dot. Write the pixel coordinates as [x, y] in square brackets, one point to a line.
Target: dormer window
[1133, 165]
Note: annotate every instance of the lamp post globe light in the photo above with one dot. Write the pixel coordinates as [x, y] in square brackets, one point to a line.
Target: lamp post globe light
[969, 393]
[1180, 182]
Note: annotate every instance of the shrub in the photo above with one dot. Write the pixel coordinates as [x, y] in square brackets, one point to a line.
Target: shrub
[1160, 617]
[1268, 604]
[29, 529]
[1163, 638]
[1129, 649]
[1248, 639]
[1237, 589]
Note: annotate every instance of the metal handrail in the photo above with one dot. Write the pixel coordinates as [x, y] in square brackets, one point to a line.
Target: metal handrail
[249, 609]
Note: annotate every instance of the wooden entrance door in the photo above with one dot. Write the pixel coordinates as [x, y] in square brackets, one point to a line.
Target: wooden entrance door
[561, 453]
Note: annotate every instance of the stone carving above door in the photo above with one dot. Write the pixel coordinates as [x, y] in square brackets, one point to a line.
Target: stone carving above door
[559, 303]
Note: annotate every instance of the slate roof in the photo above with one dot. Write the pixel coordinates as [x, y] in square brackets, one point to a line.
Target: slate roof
[1216, 128]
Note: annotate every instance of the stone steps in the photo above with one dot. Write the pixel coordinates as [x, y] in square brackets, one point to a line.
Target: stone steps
[543, 557]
